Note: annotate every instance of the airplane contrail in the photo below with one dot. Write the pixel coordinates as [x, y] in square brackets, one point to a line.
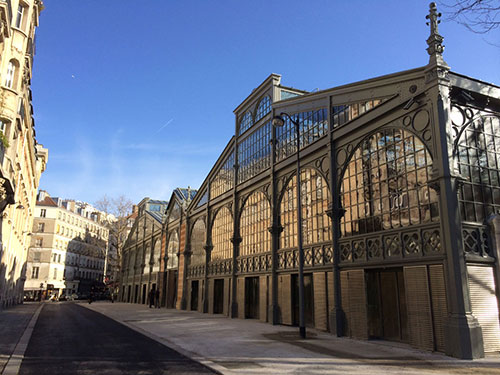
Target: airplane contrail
[168, 122]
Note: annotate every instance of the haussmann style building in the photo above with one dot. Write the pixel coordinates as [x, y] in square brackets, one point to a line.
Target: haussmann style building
[68, 249]
[394, 222]
[22, 159]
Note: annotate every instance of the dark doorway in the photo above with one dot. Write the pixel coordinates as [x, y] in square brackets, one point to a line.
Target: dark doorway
[218, 296]
[387, 315]
[172, 288]
[136, 293]
[129, 293]
[143, 299]
[251, 297]
[308, 300]
[194, 294]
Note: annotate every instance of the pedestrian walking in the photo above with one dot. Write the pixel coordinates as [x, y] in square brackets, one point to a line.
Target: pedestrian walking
[157, 298]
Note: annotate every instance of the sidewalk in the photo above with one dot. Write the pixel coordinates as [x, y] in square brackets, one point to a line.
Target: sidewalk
[237, 346]
[13, 322]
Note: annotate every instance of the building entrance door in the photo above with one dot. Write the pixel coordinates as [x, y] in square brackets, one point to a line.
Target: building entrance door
[144, 294]
[136, 293]
[218, 296]
[251, 297]
[308, 300]
[387, 315]
[194, 294]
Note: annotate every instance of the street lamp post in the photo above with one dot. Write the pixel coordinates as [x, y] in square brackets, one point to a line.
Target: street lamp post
[278, 121]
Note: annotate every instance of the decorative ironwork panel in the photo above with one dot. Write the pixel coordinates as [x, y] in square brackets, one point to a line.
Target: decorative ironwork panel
[476, 242]
[419, 243]
[431, 241]
[411, 243]
[221, 267]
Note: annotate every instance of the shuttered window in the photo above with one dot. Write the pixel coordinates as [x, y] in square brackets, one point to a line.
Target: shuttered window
[485, 305]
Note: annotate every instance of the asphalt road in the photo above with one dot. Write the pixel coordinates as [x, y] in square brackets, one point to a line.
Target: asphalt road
[70, 339]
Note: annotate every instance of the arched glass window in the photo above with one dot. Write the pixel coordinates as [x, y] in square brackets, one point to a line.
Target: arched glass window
[254, 223]
[315, 198]
[246, 122]
[157, 255]
[198, 234]
[138, 257]
[12, 73]
[173, 249]
[479, 163]
[222, 232]
[147, 257]
[264, 108]
[385, 184]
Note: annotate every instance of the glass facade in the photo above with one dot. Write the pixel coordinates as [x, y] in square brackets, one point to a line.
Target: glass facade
[172, 250]
[313, 126]
[479, 163]
[246, 122]
[264, 108]
[198, 234]
[288, 94]
[254, 223]
[254, 153]
[385, 184]
[203, 199]
[347, 112]
[315, 198]
[222, 232]
[224, 179]
[175, 213]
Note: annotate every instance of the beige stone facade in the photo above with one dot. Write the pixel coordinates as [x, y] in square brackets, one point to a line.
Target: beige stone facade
[68, 249]
[22, 160]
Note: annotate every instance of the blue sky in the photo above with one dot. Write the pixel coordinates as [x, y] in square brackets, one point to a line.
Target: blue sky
[137, 97]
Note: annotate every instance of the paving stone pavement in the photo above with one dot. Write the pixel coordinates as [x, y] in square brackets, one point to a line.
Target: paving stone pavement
[237, 346]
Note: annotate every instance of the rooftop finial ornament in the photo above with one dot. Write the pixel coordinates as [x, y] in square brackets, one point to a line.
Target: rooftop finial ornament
[435, 41]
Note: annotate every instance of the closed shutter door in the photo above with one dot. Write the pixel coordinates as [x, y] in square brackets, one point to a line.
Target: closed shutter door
[357, 304]
[241, 297]
[418, 307]
[227, 296]
[285, 293]
[439, 304]
[485, 305]
[211, 296]
[263, 298]
[319, 284]
[344, 285]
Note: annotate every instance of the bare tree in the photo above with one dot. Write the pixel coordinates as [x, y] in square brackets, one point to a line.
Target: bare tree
[120, 208]
[479, 16]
